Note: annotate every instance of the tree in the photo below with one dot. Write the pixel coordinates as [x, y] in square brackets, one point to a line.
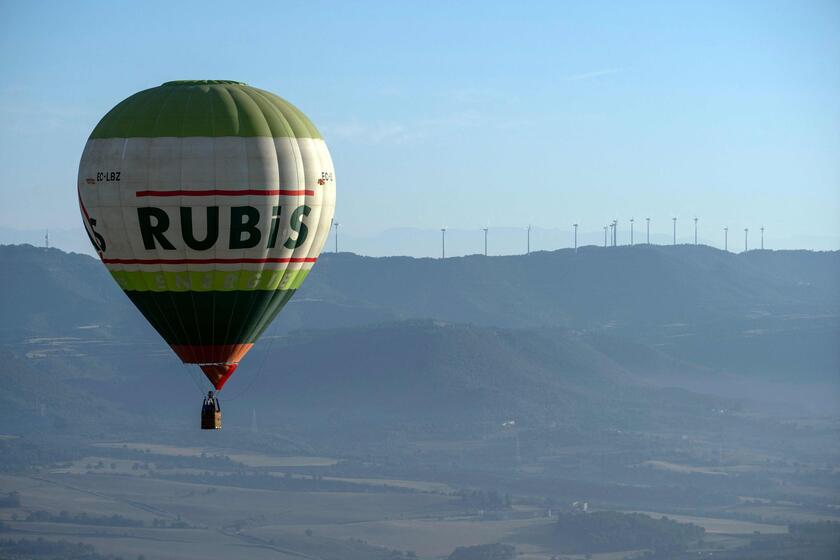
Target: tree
[495, 551]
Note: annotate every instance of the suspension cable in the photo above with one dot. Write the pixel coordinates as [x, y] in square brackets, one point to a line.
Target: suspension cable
[259, 370]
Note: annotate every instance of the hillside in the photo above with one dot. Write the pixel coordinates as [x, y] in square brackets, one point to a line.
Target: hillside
[763, 313]
[375, 384]
[405, 373]
[47, 292]
[643, 286]
[439, 373]
[625, 287]
[432, 341]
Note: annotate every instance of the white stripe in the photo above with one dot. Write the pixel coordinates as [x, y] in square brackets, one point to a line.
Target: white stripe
[193, 164]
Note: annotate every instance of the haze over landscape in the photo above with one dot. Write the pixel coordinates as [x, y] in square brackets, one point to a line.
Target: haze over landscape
[709, 396]
[573, 389]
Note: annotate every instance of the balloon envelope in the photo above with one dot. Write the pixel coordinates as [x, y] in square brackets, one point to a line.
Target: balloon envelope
[209, 202]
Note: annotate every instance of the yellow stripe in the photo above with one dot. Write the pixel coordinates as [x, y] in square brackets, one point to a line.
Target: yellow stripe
[207, 281]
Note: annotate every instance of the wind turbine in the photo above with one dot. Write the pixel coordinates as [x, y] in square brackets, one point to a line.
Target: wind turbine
[528, 246]
[631, 230]
[443, 242]
[726, 239]
[605, 236]
[762, 238]
[615, 232]
[695, 230]
[485, 240]
[647, 220]
[675, 230]
[336, 224]
[746, 233]
[575, 226]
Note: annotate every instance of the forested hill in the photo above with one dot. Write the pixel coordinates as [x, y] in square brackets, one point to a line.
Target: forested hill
[761, 312]
[543, 336]
[634, 287]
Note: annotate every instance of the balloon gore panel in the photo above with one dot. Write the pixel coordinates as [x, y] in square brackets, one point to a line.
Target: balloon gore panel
[209, 202]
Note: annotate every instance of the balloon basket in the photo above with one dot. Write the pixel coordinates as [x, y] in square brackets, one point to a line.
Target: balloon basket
[211, 420]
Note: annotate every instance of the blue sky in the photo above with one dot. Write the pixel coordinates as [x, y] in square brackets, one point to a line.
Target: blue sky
[470, 113]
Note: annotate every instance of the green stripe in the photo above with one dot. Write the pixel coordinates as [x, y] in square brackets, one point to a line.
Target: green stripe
[213, 280]
[204, 108]
[209, 318]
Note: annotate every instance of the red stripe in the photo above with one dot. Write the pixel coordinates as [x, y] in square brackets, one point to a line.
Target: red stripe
[220, 192]
[212, 353]
[209, 261]
[87, 222]
[84, 210]
[218, 374]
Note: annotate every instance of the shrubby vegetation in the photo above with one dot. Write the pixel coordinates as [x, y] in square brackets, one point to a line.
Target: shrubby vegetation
[819, 531]
[495, 551]
[490, 499]
[32, 549]
[84, 519]
[203, 461]
[166, 524]
[313, 483]
[606, 531]
[804, 541]
[10, 500]
[22, 454]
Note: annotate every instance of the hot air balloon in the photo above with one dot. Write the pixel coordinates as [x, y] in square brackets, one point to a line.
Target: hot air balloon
[209, 202]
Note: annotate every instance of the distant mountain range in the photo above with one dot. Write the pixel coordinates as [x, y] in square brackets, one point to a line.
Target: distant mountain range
[549, 337]
[420, 242]
[771, 313]
[626, 287]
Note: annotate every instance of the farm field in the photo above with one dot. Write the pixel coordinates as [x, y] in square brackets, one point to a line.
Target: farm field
[169, 501]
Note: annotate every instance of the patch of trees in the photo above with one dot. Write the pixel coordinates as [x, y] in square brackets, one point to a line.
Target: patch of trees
[655, 493]
[484, 499]
[84, 519]
[608, 531]
[100, 465]
[40, 548]
[263, 481]
[805, 541]
[23, 454]
[820, 530]
[495, 551]
[10, 500]
[393, 554]
[371, 552]
[166, 524]
[203, 461]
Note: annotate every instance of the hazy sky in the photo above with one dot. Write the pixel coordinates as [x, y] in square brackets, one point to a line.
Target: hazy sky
[469, 113]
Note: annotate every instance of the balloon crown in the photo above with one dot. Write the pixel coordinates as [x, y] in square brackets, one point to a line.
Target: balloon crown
[202, 83]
